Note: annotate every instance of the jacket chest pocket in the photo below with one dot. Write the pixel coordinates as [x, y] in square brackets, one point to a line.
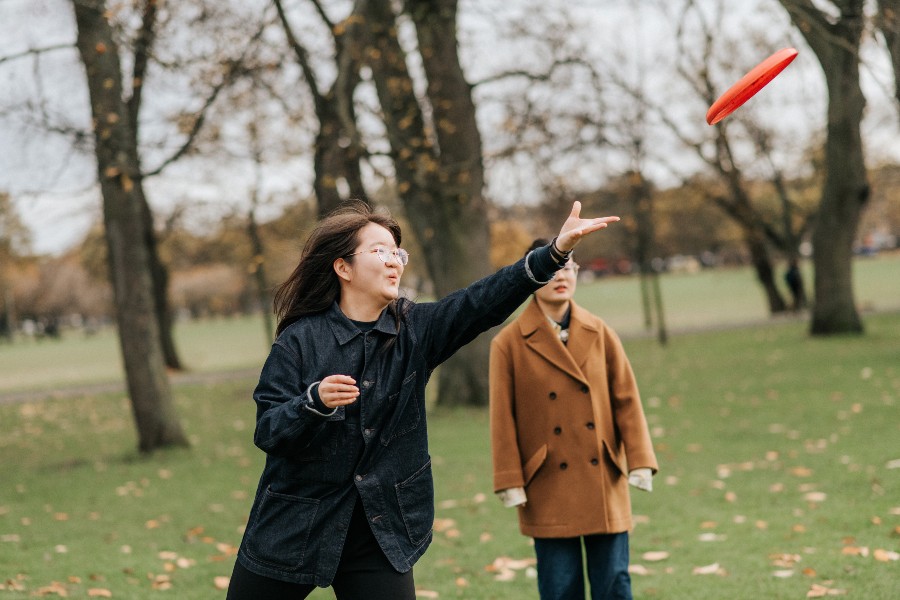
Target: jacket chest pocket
[404, 410]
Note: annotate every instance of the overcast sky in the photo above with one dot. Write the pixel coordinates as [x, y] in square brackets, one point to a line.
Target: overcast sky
[53, 185]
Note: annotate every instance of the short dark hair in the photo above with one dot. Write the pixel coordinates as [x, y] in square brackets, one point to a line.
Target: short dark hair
[540, 243]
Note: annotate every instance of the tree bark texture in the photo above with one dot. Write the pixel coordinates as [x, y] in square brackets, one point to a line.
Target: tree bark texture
[846, 187]
[130, 267]
[439, 166]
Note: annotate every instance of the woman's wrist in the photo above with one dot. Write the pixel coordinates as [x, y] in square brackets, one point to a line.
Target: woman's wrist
[560, 256]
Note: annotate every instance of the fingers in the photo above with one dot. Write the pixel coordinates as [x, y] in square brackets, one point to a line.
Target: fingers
[338, 390]
[576, 210]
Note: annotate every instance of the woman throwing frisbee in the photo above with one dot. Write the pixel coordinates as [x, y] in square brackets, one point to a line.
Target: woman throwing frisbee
[346, 498]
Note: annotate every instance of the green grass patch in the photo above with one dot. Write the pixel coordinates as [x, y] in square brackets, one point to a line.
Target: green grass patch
[776, 474]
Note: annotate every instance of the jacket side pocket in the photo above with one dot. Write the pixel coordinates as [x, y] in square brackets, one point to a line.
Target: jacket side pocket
[279, 533]
[533, 464]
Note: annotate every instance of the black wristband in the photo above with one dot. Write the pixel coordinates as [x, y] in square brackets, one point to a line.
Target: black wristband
[558, 255]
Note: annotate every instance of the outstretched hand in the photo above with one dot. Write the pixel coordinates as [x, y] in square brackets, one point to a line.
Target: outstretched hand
[576, 228]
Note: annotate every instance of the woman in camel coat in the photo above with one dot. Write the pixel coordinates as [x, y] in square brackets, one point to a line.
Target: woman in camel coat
[567, 429]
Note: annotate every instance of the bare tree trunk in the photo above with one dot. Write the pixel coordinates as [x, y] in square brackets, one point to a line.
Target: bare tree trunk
[158, 272]
[765, 274]
[439, 167]
[889, 24]
[846, 188]
[338, 150]
[650, 290]
[130, 267]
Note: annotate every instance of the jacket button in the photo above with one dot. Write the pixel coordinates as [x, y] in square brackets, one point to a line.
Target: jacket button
[557, 430]
[553, 395]
[367, 384]
[563, 466]
[590, 425]
[359, 477]
[595, 462]
[368, 432]
[584, 389]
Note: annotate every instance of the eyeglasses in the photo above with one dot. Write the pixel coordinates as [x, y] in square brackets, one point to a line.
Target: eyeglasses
[400, 255]
[571, 269]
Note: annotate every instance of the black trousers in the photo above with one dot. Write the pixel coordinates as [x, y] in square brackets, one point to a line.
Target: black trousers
[363, 573]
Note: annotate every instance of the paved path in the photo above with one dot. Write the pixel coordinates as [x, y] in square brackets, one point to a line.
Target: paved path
[112, 387]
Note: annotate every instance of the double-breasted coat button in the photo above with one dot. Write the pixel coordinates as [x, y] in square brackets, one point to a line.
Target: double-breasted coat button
[563, 466]
[590, 425]
[595, 462]
[557, 430]
[584, 389]
[553, 395]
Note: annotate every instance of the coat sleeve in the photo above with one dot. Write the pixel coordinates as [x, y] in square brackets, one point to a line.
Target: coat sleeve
[507, 460]
[284, 424]
[449, 324]
[628, 413]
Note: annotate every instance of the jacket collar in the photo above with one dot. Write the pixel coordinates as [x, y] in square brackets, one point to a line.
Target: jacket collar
[344, 329]
[540, 337]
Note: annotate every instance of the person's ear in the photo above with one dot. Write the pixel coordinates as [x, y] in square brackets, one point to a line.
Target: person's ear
[343, 269]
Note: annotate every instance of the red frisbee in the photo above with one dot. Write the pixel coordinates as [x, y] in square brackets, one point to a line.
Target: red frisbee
[749, 84]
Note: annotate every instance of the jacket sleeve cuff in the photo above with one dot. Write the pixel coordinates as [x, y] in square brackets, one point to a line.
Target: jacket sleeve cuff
[314, 404]
[540, 266]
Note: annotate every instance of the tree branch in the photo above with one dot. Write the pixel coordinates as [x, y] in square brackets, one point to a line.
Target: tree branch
[36, 52]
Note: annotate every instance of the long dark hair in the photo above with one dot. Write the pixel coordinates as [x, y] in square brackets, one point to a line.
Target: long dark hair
[313, 286]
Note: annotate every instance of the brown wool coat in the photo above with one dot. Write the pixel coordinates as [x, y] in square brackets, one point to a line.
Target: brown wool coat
[566, 424]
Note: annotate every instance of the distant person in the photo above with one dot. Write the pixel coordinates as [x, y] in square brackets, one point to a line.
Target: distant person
[794, 281]
[346, 498]
[568, 435]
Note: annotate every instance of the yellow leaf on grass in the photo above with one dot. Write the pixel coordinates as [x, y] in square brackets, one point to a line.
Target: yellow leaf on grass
[634, 569]
[713, 569]
[885, 555]
[820, 591]
[221, 582]
[99, 593]
[655, 555]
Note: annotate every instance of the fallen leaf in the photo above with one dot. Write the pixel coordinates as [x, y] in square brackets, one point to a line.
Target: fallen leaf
[713, 569]
[655, 555]
[426, 594]
[885, 555]
[855, 551]
[99, 593]
[785, 560]
[815, 497]
[462, 582]
[441, 525]
[820, 591]
[55, 588]
[783, 574]
[638, 570]
[221, 582]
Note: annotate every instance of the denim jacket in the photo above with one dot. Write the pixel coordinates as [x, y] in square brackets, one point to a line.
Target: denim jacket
[376, 448]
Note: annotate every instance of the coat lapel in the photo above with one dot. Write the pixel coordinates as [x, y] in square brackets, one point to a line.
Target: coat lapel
[582, 337]
[541, 338]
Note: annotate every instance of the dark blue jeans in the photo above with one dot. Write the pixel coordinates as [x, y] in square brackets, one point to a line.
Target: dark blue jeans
[561, 571]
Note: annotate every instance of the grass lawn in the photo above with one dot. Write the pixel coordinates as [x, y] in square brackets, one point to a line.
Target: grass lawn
[720, 297]
[779, 473]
